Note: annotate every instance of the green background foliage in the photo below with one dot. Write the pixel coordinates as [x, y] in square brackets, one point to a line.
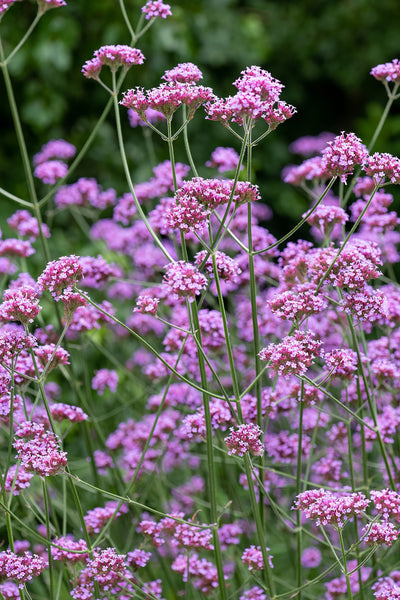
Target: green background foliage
[322, 51]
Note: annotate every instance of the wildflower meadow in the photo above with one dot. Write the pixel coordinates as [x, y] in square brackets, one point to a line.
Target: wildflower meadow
[191, 407]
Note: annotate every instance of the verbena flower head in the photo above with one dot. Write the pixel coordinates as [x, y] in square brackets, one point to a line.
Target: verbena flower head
[294, 355]
[146, 305]
[13, 341]
[224, 159]
[259, 82]
[389, 71]
[311, 144]
[380, 533]
[20, 568]
[184, 280]
[183, 73]
[252, 557]
[113, 56]
[328, 508]
[59, 149]
[27, 225]
[105, 378]
[60, 275]
[343, 154]
[167, 98]
[39, 449]
[20, 304]
[383, 167]
[51, 171]
[245, 438]
[156, 8]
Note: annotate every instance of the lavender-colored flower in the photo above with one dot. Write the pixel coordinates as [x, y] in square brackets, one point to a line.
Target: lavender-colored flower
[5, 4]
[20, 568]
[60, 275]
[298, 302]
[311, 558]
[67, 549]
[20, 304]
[252, 557]
[387, 503]
[224, 159]
[167, 98]
[59, 149]
[380, 533]
[311, 144]
[74, 414]
[312, 168]
[343, 154]
[183, 73]
[294, 355]
[17, 479]
[328, 508]
[245, 438]
[51, 171]
[96, 518]
[389, 71]
[184, 280]
[15, 247]
[382, 167]
[146, 305]
[105, 378]
[39, 449]
[27, 226]
[156, 8]
[114, 56]
[254, 593]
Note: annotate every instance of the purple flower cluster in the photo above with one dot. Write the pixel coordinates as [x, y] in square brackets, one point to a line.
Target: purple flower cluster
[39, 449]
[113, 56]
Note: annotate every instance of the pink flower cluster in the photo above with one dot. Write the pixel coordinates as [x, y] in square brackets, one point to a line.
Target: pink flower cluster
[114, 56]
[60, 275]
[343, 154]
[257, 98]
[253, 558]
[294, 355]
[184, 280]
[245, 438]
[39, 449]
[20, 304]
[156, 8]
[27, 226]
[328, 508]
[21, 568]
[389, 71]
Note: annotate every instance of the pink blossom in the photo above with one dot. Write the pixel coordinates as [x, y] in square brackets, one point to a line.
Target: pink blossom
[183, 73]
[389, 71]
[343, 154]
[51, 171]
[156, 8]
[184, 280]
[245, 438]
[253, 558]
[294, 355]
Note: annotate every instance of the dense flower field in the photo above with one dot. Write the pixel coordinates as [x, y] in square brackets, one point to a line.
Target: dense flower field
[190, 407]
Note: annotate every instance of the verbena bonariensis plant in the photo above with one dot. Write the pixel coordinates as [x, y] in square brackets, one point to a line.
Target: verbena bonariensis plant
[197, 409]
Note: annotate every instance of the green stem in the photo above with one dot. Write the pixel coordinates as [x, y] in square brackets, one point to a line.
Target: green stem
[23, 151]
[23, 39]
[129, 179]
[212, 491]
[346, 574]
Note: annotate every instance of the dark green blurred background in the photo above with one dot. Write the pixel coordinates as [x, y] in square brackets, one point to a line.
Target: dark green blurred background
[321, 50]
